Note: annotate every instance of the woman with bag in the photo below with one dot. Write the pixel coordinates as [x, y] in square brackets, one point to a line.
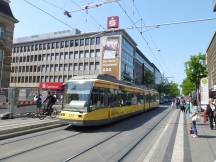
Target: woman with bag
[194, 118]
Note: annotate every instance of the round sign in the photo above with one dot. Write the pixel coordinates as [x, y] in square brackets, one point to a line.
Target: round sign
[204, 81]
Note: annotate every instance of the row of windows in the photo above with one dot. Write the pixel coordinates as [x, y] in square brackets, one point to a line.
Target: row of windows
[58, 56]
[2, 32]
[57, 67]
[36, 79]
[102, 97]
[54, 45]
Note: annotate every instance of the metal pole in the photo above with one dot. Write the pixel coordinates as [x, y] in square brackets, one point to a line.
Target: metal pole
[2, 66]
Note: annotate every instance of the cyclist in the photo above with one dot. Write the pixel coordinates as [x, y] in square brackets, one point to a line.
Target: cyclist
[51, 100]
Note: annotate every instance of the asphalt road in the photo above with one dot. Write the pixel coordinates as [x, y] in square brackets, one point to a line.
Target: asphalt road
[132, 139]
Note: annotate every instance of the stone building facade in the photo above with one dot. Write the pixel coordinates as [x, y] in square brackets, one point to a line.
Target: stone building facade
[7, 22]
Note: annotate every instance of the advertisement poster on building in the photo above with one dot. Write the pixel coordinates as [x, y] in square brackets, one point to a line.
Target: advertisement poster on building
[110, 57]
[204, 91]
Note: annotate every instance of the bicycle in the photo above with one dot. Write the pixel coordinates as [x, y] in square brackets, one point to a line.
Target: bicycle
[46, 113]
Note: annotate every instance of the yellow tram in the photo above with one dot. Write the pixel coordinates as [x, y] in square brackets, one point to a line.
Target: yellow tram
[90, 102]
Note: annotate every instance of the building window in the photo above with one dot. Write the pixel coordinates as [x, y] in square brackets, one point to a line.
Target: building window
[62, 44]
[28, 49]
[36, 47]
[40, 46]
[81, 42]
[92, 42]
[66, 55]
[1, 54]
[66, 67]
[76, 43]
[87, 40]
[92, 66]
[75, 66]
[61, 67]
[57, 56]
[61, 56]
[51, 79]
[56, 79]
[97, 66]
[98, 40]
[71, 43]
[56, 68]
[70, 67]
[66, 43]
[24, 48]
[81, 54]
[53, 45]
[48, 57]
[65, 78]
[2, 32]
[86, 66]
[97, 53]
[52, 68]
[57, 45]
[81, 66]
[47, 68]
[52, 56]
[60, 79]
[71, 55]
[86, 54]
[76, 55]
[47, 79]
[44, 46]
[43, 68]
[48, 45]
[42, 79]
[92, 54]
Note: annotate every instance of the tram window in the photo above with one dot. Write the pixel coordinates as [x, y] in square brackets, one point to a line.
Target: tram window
[97, 99]
[113, 99]
[140, 98]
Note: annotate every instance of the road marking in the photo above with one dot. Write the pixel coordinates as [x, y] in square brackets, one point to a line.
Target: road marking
[178, 150]
[150, 154]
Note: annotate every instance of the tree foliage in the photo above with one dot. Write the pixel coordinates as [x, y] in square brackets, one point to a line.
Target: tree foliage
[170, 89]
[195, 69]
[149, 79]
[187, 86]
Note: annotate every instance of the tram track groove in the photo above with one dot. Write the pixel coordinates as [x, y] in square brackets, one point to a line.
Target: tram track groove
[38, 135]
[40, 146]
[116, 134]
[143, 137]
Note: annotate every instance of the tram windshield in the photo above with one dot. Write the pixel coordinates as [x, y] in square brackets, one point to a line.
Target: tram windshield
[76, 95]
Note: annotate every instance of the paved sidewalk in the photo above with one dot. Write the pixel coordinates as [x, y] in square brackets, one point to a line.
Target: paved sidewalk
[20, 126]
[203, 148]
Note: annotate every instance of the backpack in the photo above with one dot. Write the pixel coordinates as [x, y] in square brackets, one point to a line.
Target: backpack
[53, 99]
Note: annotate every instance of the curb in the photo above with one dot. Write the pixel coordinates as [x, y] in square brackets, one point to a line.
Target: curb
[14, 132]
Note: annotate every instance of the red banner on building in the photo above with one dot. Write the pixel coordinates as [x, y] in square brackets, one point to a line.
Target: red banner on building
[51, 85]
[112, 22]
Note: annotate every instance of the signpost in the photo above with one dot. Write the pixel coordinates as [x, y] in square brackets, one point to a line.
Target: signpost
[204, 91]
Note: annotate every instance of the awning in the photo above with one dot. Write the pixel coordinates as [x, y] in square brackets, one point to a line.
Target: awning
[51, 85]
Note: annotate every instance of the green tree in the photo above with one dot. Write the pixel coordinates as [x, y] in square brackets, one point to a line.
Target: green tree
[195, 69]
[170, 89]
[149, 79]
[187, 86]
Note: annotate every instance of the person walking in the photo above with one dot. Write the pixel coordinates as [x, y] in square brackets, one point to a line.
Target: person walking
[39, 103]
[210, 112]
[187, 106]
[177, 103]
[194, 118]
[182, 104]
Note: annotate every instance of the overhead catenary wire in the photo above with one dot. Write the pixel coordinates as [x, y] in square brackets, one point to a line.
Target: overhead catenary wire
[54, 5]
[172, 23]
[147, 43]
[47, 13]
[92, 17]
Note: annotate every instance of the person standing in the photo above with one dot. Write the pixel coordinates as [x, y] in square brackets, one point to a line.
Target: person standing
[194, 117]
[182, 104]
[210, 112]
[177, 103]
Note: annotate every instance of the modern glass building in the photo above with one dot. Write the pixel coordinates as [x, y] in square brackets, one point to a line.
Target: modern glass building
[59, 56]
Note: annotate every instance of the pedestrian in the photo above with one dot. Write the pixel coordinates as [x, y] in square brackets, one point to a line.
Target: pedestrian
[177, 103]
[39, 103]
[187, 106]
[194, 118]
[210, 112]
[182, 104]
[51, 100]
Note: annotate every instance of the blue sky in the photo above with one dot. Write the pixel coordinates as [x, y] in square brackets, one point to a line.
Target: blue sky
[176, 43]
